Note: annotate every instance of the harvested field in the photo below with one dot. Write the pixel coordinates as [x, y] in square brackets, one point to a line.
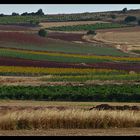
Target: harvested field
[125, 39]
[70, 23]
[132, 38]
[67, 119]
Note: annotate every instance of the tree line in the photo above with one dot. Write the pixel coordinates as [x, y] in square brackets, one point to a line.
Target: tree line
[38, 13]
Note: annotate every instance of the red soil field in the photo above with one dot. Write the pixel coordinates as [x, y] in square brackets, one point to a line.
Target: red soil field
[14, 28]
[67, 36]
[5, 61]
[22, 38]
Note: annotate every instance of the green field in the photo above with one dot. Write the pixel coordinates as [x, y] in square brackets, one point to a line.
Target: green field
[125, 93]
[91, 77]
[88, 27]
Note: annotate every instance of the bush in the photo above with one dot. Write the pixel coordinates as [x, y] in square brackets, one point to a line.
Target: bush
[113, 16]
[91, 32]
[139, 22]
[15, 14]
[33, 22]
[42, 32]
[130, 19]
[124, 10]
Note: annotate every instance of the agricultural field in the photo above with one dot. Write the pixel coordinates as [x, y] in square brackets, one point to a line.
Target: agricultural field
[87, 27]
[70, 23]
[60, 80]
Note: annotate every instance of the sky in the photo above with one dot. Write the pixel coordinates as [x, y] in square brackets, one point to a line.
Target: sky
[63, 8]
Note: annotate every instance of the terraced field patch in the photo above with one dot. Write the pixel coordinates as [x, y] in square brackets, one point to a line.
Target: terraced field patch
[34, 42]
[70, 23]
[86, 27]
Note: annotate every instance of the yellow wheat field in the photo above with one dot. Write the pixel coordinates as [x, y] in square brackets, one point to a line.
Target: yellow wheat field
[68, 119]
[20, 69]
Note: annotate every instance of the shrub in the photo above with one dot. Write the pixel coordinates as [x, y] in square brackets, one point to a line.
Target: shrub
[91, 32]
[113, 16]
[130, 19]
[124, 10]
[33, 22]
[138, 22]
[42, 32]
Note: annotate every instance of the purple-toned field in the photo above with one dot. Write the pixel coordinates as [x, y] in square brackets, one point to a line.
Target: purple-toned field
[7, 61]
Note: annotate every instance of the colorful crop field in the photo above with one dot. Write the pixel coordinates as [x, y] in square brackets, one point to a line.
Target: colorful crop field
[76, 73]
[28, 41]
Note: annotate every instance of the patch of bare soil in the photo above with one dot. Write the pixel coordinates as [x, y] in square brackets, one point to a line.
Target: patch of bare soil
[73, 37]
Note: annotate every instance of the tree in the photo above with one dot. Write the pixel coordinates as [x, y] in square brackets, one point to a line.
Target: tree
[24, 14]
[40, 12]
[34, 22]
[113, 16]
[42, 32]
[124, 10]
[130, 19]
[15, 14]
[138, 22]
[1, 15]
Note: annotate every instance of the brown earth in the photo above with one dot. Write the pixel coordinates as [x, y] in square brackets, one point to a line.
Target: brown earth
[73, 37]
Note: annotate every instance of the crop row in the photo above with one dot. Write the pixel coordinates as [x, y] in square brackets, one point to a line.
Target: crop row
[62, 57]
[84, 78]
[9, 61]
[87, 27]
[119, 93]
[41, 70]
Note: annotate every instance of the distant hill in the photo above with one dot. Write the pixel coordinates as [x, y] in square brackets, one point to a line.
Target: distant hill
[113, 16]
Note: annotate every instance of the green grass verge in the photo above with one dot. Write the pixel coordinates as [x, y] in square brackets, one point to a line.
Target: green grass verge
[84, 78]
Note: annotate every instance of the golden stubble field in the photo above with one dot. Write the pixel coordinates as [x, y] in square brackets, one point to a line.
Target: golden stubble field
[23, 118]
[126, 39]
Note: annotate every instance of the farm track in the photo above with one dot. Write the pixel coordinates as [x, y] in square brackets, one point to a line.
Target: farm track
[36, 81]
[74, 132]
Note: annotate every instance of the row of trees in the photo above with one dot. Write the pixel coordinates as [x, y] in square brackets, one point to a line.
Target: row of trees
[38, 13]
